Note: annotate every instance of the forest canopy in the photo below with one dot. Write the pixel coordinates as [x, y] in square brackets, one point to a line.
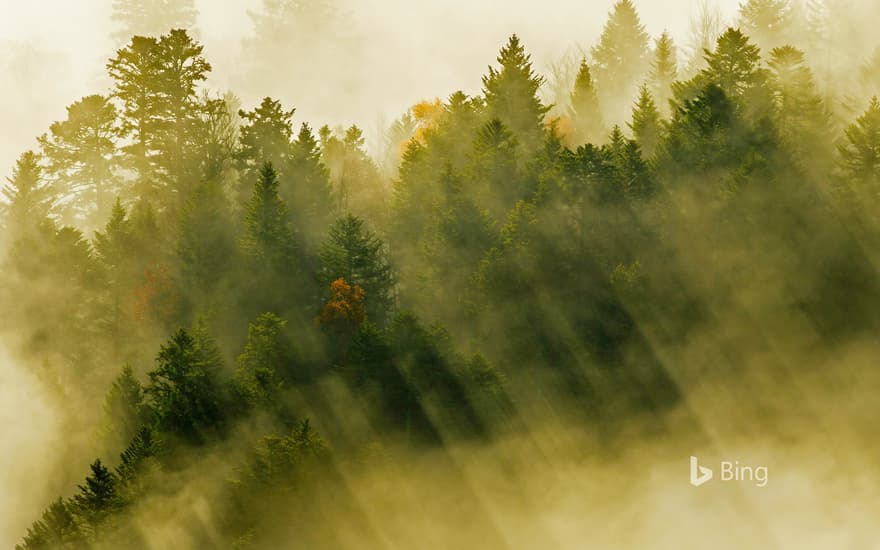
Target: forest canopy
[246, 315]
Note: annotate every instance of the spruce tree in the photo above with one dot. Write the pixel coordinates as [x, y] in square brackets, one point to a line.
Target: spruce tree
[268, 238]
[859, 154]
[184, 391]
[352, 252]
[59, 527]
[124, 409]
[620, 59]
[308, 191]
[29, 198]
[585, 113]
[99, 497]
[512, 95]
[803, 120]
[646, 126]
[265, 137]
[664, 71]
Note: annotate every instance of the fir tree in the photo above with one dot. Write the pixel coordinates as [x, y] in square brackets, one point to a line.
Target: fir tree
[308, 192]
[58, 528]
[124, 409]
[98, 498]
[646, 125]
[512, 95]
[620, 59]
[265, 137]
[354, 253]
[859, 154]
[585, 113]
[664, 71]
[268, 238]
[29, 198]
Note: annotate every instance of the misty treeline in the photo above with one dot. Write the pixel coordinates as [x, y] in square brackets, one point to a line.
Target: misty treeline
[198, 282]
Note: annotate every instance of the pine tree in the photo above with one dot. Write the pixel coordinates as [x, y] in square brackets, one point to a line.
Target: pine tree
[355, 254]
[309, 192]
[357, 184]
[646, 125]
[124, 409]
[184, 391]
[265, 137]
[98, 498]
[80, 155]
[859, 154]
[664, 71]
[206, 243]
[155, 81]
[620, 59]
[137, 457]
[151, 17]
[585, 114]
[767, 22]
[268, 238]
[265, 362]
[29, 198]
[58, 528]
[802, 117]
[512, 95]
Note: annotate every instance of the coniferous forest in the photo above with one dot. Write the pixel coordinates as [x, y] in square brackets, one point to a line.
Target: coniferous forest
[262, 333]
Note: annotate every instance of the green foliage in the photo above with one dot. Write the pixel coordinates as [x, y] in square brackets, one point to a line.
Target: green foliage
[512, 95]
[265, 363]
[80, 154]
[124, 409]
[646, 126]
[59, 528]
[29, 198]
[664, 70]
[354, 253]
[184, 391]
[859, 155]
[585, 113]
[620, 59]
[309, 191]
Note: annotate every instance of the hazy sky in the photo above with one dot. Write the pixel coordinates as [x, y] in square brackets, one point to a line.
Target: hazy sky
[52, 51]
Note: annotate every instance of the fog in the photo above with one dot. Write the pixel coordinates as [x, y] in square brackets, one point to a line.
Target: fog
[413, 51]
[479, 329]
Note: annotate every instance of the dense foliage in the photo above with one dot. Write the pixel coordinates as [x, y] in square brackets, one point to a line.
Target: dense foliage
[281, 281]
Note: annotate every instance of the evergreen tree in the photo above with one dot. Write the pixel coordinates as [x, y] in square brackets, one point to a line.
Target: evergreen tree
[767, 22]
[265, 362]
[98, 498]
[265, 137]
[355, 254]
[124, 409]
[620, 59]
[206, 243]
[29, 198]
[155, 81]
[268, 238]
[664, 71]
[137, 457]
[512, 95]
[585, 113]
[859, 155]
[184, 391]
[80, 154]
[58, 528]
[646, 126]
[357, 185]
[495, 168]
[151, 17]
[803, 120]
[309, 192]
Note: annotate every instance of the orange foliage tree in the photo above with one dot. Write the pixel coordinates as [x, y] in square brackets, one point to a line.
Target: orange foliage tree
[345, 307]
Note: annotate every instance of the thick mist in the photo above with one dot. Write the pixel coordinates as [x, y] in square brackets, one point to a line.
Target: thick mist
[371, 311]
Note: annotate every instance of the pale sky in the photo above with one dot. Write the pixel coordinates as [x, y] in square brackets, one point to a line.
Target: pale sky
[417, 50]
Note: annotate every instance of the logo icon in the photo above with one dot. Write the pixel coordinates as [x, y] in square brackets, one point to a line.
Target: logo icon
[699, 474]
